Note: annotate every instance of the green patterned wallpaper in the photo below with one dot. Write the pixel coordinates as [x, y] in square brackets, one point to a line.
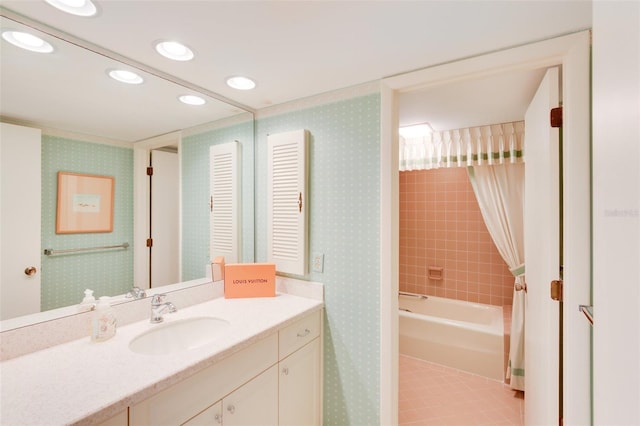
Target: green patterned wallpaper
[65, 277]
[195, 195]
[344, 226]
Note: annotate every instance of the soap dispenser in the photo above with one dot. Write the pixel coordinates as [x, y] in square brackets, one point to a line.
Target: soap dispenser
[88, 303]
[103, 322]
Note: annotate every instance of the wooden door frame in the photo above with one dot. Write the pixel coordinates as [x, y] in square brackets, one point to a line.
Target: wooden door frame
[573, 53]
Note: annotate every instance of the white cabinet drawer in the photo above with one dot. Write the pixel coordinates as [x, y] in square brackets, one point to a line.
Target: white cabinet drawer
[299, 334]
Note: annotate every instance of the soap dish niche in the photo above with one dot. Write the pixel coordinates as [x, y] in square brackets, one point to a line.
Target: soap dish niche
[435, 273]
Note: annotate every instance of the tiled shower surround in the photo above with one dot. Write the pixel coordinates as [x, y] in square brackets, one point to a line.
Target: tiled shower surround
[441, 226]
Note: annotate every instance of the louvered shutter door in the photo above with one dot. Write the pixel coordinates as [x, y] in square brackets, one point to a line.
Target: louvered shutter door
[287, 202]
[225, 202]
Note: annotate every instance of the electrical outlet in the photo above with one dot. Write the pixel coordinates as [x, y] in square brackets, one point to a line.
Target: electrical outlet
[318, 262]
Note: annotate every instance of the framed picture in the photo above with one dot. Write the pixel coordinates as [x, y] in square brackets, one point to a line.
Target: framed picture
[85, 203]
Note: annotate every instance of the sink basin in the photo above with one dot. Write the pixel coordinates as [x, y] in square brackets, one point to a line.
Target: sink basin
[178, 336]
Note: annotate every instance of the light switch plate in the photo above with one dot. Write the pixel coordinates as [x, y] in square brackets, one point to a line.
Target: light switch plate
[318, 262]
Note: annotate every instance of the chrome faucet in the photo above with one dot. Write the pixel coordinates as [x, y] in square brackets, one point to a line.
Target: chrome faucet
[136, 293]
[159, 307]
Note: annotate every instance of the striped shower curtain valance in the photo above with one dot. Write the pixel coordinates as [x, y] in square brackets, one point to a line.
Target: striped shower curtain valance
[492, 144]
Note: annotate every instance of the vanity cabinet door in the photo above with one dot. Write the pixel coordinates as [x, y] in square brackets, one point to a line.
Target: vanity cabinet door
[299, 386]
[255, 403]
[212, 416]
[186, 399]
[120, 419]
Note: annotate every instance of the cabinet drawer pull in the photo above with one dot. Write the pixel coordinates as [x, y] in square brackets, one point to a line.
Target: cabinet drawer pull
[231, 408]
[285, 371]
[218, 419]
[305, 333]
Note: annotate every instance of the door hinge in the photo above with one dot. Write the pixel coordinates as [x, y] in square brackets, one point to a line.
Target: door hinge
[556, 290]
[149, 171]
[555, 117]
[149, 242]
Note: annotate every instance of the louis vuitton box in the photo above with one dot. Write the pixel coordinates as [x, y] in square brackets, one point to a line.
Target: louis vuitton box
[249, 280]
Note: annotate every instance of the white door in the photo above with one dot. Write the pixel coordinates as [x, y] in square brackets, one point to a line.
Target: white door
[616, 213]
[542, 254]
[165, 204]
[19, 220]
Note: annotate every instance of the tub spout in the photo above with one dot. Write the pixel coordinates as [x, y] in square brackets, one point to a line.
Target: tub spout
[419, 296]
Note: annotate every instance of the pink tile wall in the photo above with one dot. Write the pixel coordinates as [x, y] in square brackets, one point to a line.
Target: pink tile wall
[441, 225]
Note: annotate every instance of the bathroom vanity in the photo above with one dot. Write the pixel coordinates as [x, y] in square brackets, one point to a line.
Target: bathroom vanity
[263, 367]
[273, 381]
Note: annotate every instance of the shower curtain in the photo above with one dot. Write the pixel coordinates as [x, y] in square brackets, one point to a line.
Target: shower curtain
[494, 157]
[500, 193]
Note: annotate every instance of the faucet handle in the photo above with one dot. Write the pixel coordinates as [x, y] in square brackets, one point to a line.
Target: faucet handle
[158, 298]
[136, 293]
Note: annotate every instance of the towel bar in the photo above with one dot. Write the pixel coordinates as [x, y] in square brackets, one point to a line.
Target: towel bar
[51, 252]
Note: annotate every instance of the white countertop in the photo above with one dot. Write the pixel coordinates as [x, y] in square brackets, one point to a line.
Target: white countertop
[86, 382]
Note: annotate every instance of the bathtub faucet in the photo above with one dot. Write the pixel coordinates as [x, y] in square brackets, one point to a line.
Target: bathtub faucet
[419, 296]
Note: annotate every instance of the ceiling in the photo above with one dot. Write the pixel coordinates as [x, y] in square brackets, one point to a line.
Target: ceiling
[296, 49]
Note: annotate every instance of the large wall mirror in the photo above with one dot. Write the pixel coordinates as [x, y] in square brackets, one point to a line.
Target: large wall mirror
[93, 125]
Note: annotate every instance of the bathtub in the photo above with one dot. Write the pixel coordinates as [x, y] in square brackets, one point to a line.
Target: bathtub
[463, 335]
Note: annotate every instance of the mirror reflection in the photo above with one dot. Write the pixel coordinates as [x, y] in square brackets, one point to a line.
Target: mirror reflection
[91, 124]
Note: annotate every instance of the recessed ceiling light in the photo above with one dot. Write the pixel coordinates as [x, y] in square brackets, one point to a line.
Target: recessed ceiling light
[75, 7]
[125, 76]
[192, 100]
[27, 41]
[174, 50]
[241, 83]
[416, 130]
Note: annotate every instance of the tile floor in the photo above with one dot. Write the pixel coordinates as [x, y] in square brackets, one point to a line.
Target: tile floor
[432, 394]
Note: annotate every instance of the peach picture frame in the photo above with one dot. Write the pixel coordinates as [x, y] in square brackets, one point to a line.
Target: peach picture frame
[85, 203]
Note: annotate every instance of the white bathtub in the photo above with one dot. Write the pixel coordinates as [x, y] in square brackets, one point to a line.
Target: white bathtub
[463, 335]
